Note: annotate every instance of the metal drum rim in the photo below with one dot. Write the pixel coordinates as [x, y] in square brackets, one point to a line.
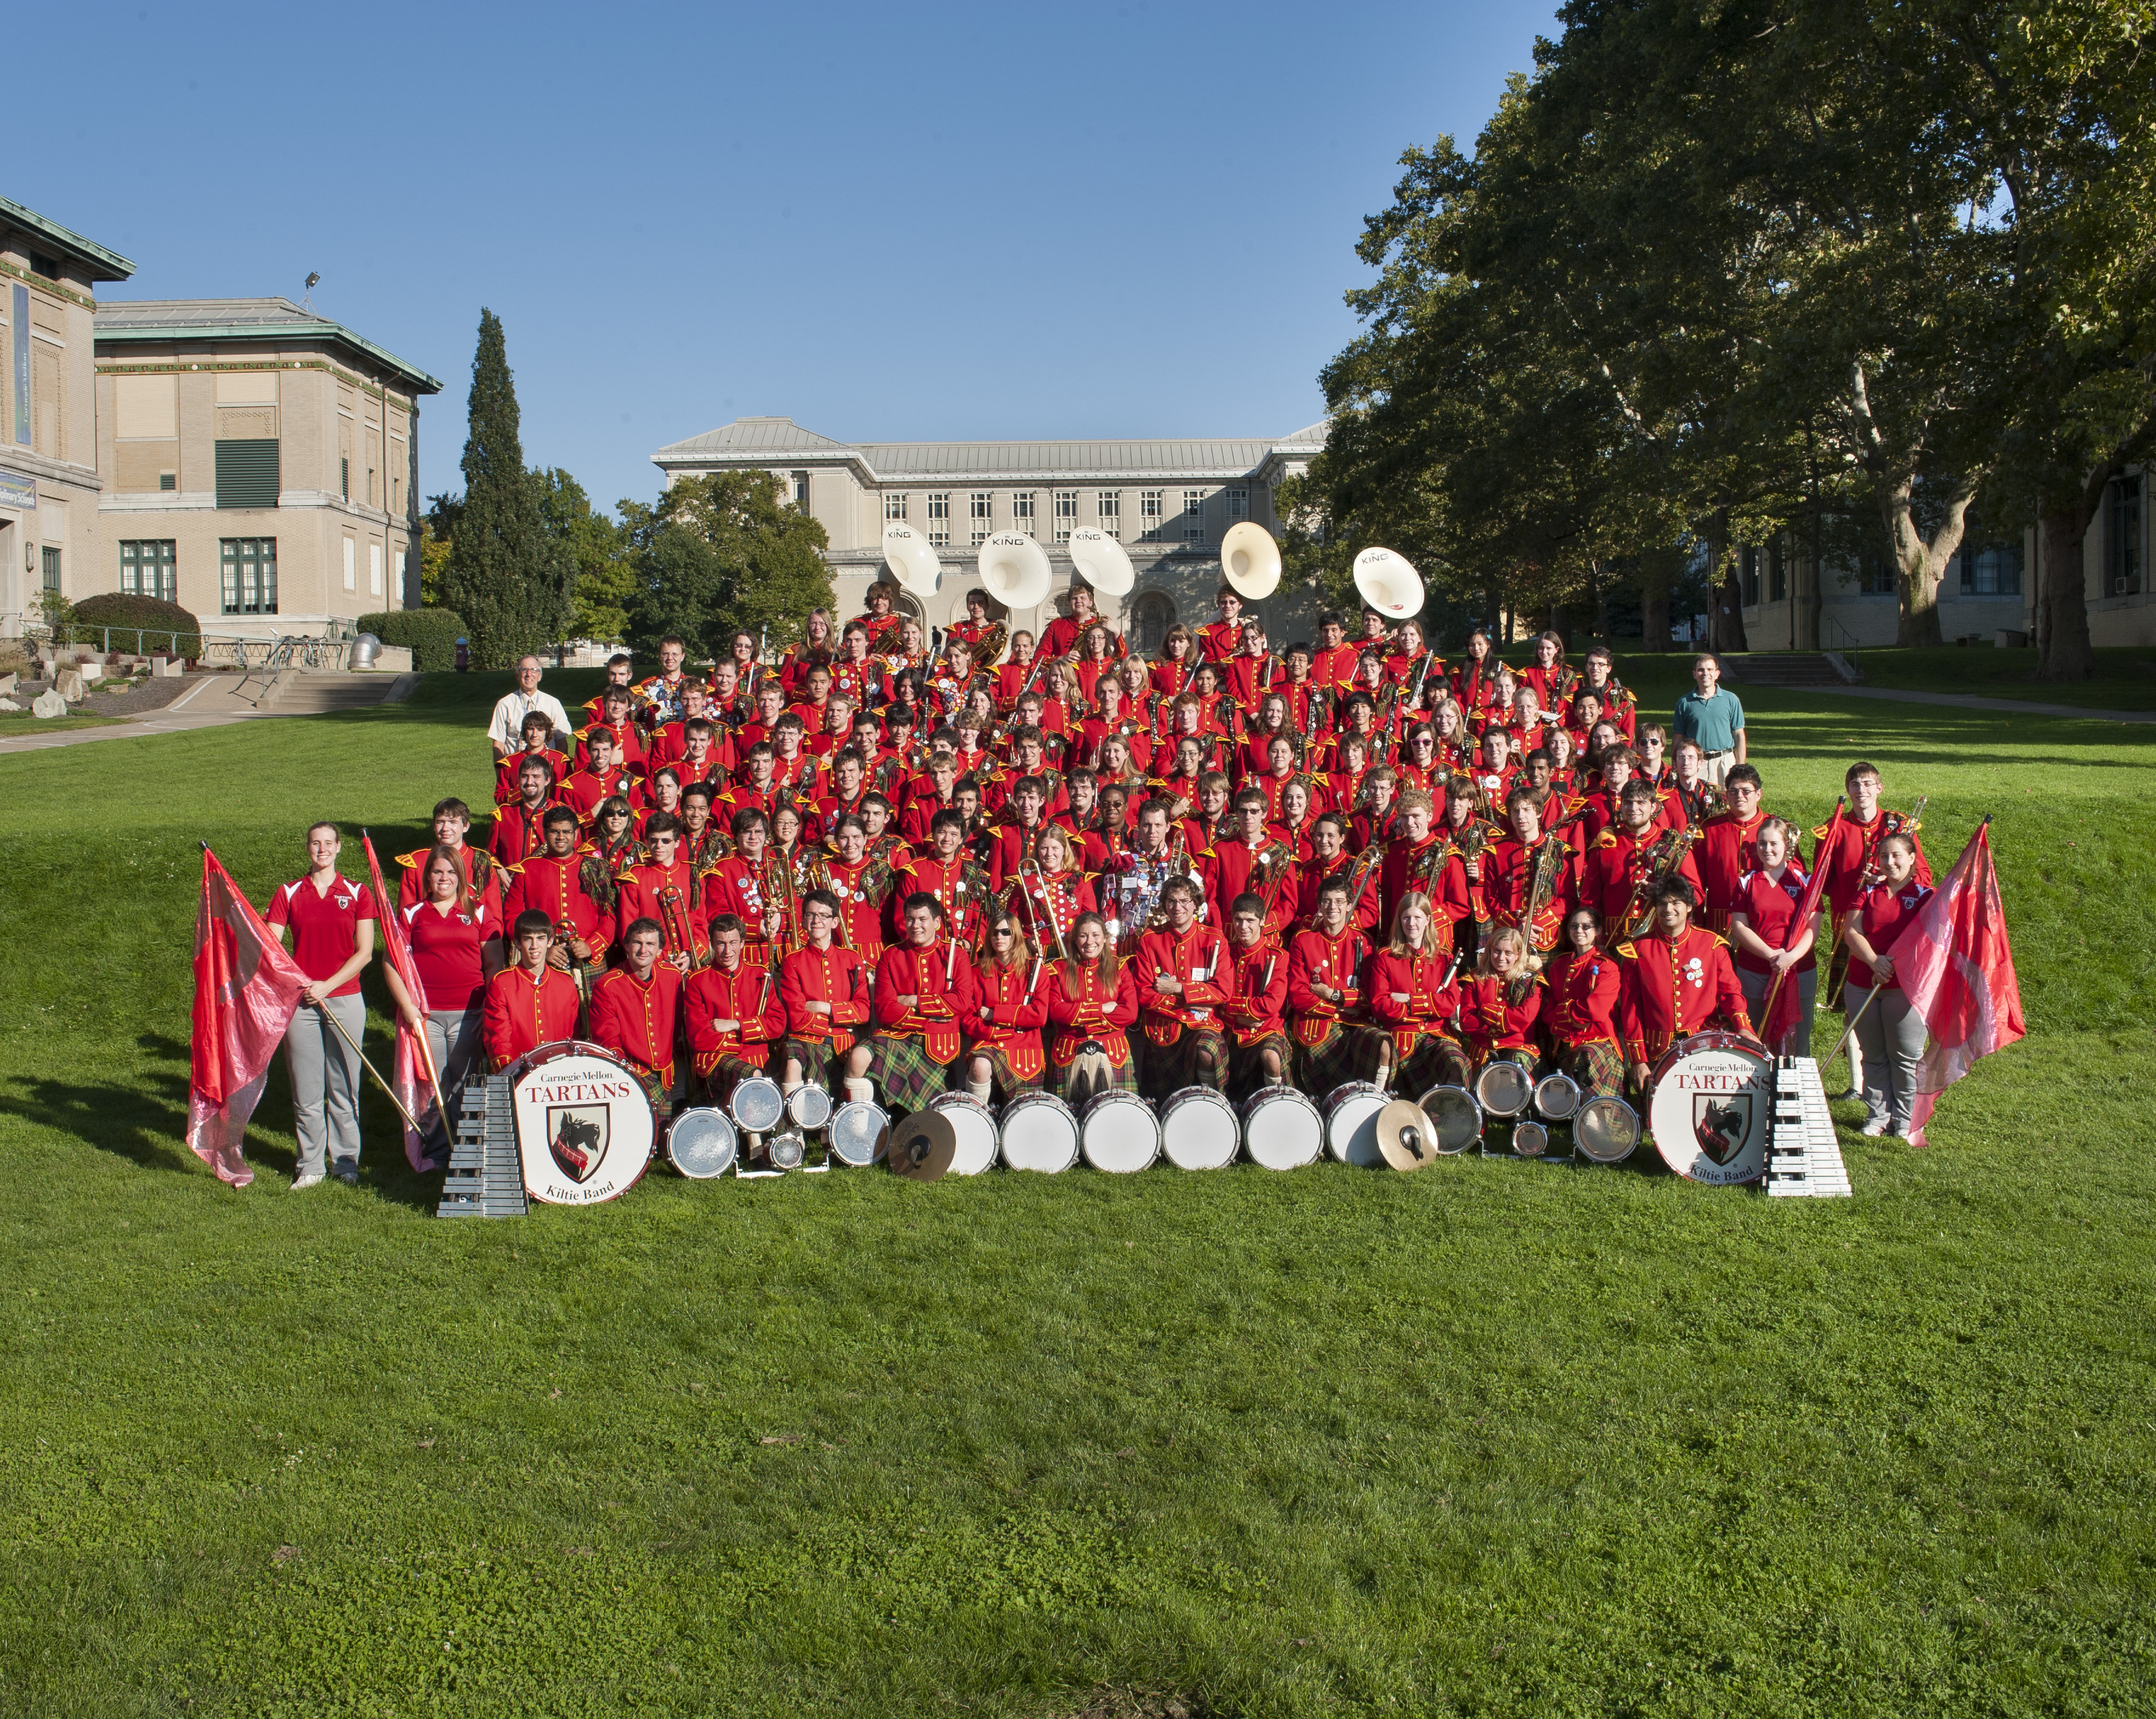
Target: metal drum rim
[1473, 1106]
[1577, 1138]
[755, 1083]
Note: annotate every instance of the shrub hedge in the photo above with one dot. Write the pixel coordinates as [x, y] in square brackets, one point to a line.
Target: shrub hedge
[431, 634]
[119, 609]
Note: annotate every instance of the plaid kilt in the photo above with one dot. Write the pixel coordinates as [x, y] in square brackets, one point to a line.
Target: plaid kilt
[1435, 1061]
[1120, 1080]
[1347, 1053]
[1004, 1082]
[822, 1061]
[660, 1093]
[1169, 1068]
[1246, 1064]
[728, 1073]
[1598, 1068]
[905, 1078]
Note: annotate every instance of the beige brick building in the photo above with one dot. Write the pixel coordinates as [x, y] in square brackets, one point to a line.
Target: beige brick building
[49, 485]
[261, 464]
[1167, 502]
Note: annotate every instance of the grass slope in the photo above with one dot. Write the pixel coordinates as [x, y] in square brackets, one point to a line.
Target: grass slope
[2125, 677]
[1494, 1438]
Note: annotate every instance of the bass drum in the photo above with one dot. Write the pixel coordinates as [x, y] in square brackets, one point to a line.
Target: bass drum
[701, 1143]
[976, 1129]
[1039, 1133]
[859, 1133]
[1282, 1128]
[1454, 1118]
[1198, 1130]
[1119, 1133]
[758, 1104]
[1711, 1108]
[1351, 1123]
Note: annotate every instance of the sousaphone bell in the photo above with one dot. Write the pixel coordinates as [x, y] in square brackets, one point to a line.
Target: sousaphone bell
[1102, 562]
[1251, 561]
[1389, 583]
[1014, 570]
[912, 563]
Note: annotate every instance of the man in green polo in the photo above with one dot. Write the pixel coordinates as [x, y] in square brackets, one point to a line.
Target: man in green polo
[1714, 719]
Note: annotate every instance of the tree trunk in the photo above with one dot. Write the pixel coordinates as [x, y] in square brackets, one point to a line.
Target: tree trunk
[1919, 565]
[1654, 615]
[2067, 654]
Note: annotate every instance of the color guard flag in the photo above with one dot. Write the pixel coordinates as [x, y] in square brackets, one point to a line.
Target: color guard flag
[1957, 970]
[412, 1077]
[247, 989]
[1783, 1006]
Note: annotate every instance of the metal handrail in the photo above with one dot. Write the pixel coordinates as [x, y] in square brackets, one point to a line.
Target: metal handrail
[1846, 641]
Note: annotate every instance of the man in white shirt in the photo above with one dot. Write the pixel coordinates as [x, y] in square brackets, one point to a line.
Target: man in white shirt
[507, 727]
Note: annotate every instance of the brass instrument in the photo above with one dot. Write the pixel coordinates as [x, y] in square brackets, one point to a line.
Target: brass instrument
[1540, 888]
[1663, 860]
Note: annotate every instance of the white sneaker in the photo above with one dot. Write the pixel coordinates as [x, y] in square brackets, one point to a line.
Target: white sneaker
[1875, 1128]
[307, 1179]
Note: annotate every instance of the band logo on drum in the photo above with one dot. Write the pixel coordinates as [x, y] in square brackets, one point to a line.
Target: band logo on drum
[585, 1129]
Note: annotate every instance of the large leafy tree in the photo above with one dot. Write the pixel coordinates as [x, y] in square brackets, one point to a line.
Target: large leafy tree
[505, 575]
[722, 553]
[598, 548]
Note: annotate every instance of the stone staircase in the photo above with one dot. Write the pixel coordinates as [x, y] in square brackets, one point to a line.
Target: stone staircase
[1783, 669]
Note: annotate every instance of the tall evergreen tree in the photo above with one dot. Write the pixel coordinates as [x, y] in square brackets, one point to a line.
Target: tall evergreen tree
[508, 578]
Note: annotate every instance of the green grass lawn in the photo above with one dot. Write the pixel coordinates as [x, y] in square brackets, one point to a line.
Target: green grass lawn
[16, 722]
[1495, 1439]
[2125, 679]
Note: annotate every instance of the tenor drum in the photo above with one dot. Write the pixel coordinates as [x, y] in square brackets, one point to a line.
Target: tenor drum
[1531, 1139]
[1605, 1131]
[701, 1143]
[758, 1106]
[1454, 1118]
[1198, 1130]
[860, 1131]
[976, 1129]
[1351, 1123]
[1503, 1089]
[1119, 1133]
[1557, 1098]
[1711, 1106]
[1282, 1128]
[1039, 1133]
[786, 1150]
[808, 1106]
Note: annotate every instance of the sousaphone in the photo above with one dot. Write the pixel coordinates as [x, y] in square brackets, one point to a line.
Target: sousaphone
[1251, 561]
[1102, 562]
[1389, 583]
[911, 560]
[1014, 570]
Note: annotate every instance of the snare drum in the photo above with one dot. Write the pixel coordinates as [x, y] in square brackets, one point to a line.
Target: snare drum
[1503, 1089]
[1282, 1128]
[1557, 1098]
[1039, 1133]
[786, 1150]
[702, 1143]
[1119, 1133]
[758, 1106]
[860, 1131]
[976, 1129]
[1454, 1118]
[1605, 1131]
[1351, 1123]
[1711, 1108]
[1198, 1130]
[808, 1106]
[1530, 1140]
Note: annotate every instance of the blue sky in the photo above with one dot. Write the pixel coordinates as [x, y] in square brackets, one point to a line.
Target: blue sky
[888, 224]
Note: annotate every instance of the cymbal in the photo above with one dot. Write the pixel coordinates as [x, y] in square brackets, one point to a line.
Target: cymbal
[922, 1145]
[1404, 1136]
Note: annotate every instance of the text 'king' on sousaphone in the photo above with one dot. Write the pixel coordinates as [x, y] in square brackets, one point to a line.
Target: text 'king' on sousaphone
[1014, 570]
[1102, 562]
[911, 560]
[1251, 561]
[1389, 583]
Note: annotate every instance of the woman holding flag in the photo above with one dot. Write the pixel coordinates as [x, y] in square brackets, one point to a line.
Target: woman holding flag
[1889, 1029]
[331, 920]
[456, 949]
[1773, 924]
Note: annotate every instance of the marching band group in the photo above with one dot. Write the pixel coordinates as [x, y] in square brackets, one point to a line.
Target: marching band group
[996, 862]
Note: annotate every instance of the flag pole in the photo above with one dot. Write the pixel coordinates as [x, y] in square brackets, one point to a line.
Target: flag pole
[1814, 888]
[330, 1016]
[426, 1046]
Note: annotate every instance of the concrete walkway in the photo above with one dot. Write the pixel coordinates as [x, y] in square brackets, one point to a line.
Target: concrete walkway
[1969, 701]
[214, 703]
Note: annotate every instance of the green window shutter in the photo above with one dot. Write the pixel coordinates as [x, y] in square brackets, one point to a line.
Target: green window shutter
[246, 474]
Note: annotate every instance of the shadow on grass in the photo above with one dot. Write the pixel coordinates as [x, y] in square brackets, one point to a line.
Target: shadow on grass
[145, 1121]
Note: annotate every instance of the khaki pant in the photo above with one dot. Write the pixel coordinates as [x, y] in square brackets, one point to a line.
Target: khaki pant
[1715, 767]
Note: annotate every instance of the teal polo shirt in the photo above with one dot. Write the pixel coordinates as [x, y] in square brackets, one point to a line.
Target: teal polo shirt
[1714, 722]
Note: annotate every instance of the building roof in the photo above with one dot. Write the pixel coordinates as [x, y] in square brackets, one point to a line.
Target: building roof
[241, 320]
[98, 263]
[758, 440]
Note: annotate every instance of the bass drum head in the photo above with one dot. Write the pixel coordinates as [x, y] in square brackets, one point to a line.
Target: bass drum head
[702, 1143]
[1282, 1128]
[1351, 1123]
[1039, 1133]
[1119, 1133]
[1503, 1089]
[1711, 1107]
[1198, 1130]
[976, 1129]
[1557, 1098]
[860, 1131]
[1454, 1118]
[808, 1106]
[1605, 1131]
[1530, 1140]
[758, 1104]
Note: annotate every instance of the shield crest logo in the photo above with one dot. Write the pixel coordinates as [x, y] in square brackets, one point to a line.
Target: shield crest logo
[577, 1137]
[1721, 1122]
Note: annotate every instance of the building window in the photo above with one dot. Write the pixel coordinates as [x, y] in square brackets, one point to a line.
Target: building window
[1022, 519]
[1992, 571]
[1150, 504]
[344, 478]
[1748, 563]
[1110, 503]
[939, 518]
[978, 510]
[168, 480]
[349, 583]
[249, 574]
[147, 569]
[1154, 615]
[49, 267]
[1778, 584]
[801, 490]
[1066, 514]
[374, 570]
[1874, 570]
[247, 473]
[1239, 506]
[2122, 538]
[1193, 515]
[893, 507]
[52, 567]
[400, 576]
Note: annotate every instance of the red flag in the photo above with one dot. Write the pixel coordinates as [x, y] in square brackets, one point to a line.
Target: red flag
[247, 989]
[1783, 999]
[1957, 969]
[413, 1076]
